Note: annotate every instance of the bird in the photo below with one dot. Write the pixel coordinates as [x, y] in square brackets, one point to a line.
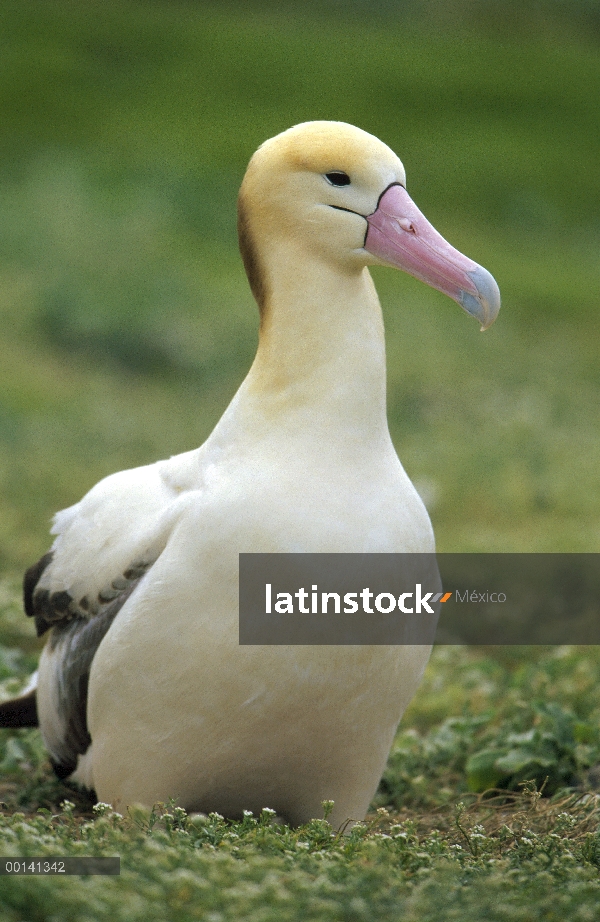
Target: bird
[143, 692]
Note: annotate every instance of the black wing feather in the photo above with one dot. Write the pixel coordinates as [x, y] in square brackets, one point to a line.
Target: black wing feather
[77, 634]
[76, 641]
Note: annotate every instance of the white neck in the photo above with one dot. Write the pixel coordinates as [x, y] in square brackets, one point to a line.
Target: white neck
[320, 364]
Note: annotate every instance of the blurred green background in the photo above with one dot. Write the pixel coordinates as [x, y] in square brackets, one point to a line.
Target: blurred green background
[126, 323]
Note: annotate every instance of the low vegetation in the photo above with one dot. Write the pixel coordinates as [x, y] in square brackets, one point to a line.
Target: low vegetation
[488, 808]
[483, 862]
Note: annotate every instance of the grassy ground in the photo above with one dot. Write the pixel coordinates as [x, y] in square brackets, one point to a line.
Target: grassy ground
[126, 325]
[438, 842]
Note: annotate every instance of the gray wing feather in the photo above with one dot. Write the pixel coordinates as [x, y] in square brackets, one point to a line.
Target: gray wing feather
[74, 642]
[77, 631]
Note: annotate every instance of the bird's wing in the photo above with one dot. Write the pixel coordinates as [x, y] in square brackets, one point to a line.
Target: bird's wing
[107, 541]
[104, 546]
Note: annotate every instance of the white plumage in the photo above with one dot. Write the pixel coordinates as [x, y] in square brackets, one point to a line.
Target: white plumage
[301, 460]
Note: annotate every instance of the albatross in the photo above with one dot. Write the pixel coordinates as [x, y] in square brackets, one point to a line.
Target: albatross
[143, 691]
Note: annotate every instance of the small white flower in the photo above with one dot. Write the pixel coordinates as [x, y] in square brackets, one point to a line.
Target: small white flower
[101, 808]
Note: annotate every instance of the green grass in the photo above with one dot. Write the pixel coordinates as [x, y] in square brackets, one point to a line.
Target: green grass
[437, 842]
[126, 325]
[525, 719]
[205, 868]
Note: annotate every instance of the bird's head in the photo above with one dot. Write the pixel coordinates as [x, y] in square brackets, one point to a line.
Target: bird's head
[339, 193]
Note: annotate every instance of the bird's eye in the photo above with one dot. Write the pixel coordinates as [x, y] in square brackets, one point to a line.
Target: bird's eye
[337, 178]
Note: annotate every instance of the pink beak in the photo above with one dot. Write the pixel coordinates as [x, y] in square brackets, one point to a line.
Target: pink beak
[400, 235]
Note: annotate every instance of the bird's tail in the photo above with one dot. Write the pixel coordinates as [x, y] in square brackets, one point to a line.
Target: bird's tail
[21, 711]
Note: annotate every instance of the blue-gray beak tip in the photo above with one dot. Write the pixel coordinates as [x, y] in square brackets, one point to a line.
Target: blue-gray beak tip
[484, 306]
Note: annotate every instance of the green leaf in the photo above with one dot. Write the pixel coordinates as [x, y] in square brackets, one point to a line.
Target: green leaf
[483, 771]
